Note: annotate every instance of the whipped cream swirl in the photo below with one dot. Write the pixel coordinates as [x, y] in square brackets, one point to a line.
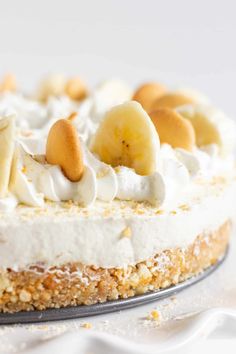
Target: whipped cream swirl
[34, 180]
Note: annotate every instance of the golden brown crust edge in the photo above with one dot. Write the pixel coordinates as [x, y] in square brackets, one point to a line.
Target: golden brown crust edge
[38, 288]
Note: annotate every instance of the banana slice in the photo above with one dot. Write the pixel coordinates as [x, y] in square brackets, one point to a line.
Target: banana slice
[127, 137]
[173, 129]
[148, 93]
[22, 188]
[211, 126]
[171, 100]
[7, 133]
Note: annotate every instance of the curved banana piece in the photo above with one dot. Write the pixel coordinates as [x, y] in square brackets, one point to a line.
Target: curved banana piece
[211, 126]
[7, 134]
[127, 137]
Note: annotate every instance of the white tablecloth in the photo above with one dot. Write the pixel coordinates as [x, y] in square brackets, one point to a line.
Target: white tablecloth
[207, 310]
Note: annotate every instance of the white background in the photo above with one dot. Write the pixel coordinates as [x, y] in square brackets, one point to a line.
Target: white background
[180, 42]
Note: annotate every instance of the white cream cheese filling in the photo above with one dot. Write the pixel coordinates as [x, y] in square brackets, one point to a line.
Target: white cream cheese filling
[54, 235]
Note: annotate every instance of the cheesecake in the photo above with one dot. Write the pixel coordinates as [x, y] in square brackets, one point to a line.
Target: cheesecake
[111, 192]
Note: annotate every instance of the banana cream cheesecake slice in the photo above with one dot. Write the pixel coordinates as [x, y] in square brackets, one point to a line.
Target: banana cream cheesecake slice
[109, 193]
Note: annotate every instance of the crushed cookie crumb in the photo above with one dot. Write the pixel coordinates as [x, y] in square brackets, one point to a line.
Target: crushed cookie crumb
[68, 204]
[173, 299]
[218, 180]
[72, 116]
[154, 316]
[107, 212]
[85, 212]
[86, 325]
[184, 207]
[117, 169]
[102, 173]
[122, 206]
[159, 212]
[65, 205]
[23, 170]
[25, 296]
[139, 211]
[134, 204]
[126, 232]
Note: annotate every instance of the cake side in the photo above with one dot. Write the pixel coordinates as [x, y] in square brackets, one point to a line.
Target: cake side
[109, 193]
[111, 235]
[71, 284]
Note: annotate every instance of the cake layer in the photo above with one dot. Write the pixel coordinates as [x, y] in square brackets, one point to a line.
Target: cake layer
[75, 284]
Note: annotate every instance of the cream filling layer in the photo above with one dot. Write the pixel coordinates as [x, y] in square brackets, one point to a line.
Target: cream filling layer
[96, 236]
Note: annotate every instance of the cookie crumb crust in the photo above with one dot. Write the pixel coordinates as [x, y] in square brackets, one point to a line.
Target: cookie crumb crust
[39, 288]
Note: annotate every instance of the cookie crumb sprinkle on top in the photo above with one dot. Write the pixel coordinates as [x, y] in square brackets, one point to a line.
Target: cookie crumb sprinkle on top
[86, 325]
[154, 315]
[126, 232]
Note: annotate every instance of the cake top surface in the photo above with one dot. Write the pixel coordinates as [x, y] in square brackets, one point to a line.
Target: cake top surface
[66, 143]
